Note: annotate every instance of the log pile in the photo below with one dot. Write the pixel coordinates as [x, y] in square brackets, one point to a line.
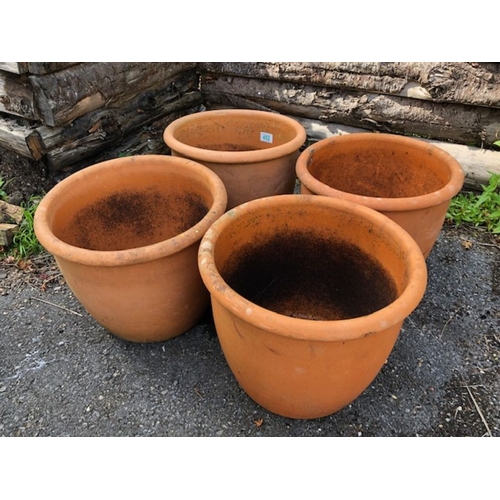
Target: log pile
[455, 105]
[70, 114]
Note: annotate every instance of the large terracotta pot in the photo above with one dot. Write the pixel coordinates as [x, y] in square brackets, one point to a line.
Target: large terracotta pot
[409, 180]
[253, 152]
[309, 294]
[125, 234]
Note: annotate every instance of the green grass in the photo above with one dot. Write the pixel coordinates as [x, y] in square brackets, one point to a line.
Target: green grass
[3, 193]
[25, 244]
[478, 209]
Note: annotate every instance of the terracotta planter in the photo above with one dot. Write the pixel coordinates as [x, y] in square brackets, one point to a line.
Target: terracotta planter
[253, 152]
[125, 234]
[410, 181]
[309, 294]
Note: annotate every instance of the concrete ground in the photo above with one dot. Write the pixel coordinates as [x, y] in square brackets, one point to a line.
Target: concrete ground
[61, 374]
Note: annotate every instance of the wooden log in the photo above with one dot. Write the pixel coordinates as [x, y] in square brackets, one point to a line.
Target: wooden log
[10, 214]
[148, 140]
[111, 129]
[13, 135]
[474, 125]
[11, 67]
[63, 96]
[145, 104]
[478, 164]
[16, 96]
[473, 83]
[36, 68]
[7, 232]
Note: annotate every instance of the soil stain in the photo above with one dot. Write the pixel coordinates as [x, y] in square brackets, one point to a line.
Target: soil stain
[375, 174]
[133, 219]
[306, 276]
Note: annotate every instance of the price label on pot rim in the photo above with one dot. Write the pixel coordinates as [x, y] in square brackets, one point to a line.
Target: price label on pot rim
[266, 137]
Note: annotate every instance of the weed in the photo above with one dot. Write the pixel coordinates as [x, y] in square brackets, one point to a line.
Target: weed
[478, 209]
[3, 193]
[25, 244]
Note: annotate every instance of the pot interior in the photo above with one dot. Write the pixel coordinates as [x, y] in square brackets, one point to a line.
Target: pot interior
[305, 275]
[388, 170]
[309, 260]
[233, 132]
[110, 213]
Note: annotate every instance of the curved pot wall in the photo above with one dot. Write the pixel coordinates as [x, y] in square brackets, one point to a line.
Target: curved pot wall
[410, 181]
[253, 152]
[125, 234]
[309, 294]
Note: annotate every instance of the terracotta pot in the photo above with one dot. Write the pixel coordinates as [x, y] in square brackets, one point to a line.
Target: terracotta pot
[253, 152]
[409, 180]
[125, 234]
[309, 294]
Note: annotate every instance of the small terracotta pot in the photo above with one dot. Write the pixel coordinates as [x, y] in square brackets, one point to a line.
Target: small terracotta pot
[410, 181]
[309, 294]
[125, 235]
[253, 152]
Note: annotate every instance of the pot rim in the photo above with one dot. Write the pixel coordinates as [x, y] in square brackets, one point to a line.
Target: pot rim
[304, 329]
[234, 157]
[448, 191]
[137, 255]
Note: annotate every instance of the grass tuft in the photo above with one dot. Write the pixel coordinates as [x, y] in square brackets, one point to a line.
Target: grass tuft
[25, 244]
[478, 209]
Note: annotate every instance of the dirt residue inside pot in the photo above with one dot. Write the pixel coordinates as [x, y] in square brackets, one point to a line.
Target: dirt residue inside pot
[376, 174]
[132, 219]
[306, 276]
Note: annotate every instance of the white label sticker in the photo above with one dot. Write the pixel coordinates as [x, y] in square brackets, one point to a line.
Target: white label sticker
[266, 137]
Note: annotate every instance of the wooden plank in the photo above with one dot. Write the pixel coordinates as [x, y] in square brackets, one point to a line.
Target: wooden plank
[473, 83]
[474, 125]
[478, 164]
[63, 96]
[104, 127]
[148, 140]
[12, 67]
[36, 68]
[13, 135]
[16, 96]
[108, 133]
[42, 68]
[7, 232]
[146, 103]
[11, 214]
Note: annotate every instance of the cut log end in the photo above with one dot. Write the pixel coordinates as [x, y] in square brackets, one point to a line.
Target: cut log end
[10, 213]
[7, 232]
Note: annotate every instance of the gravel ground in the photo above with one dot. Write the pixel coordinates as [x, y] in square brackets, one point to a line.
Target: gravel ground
[64, 375]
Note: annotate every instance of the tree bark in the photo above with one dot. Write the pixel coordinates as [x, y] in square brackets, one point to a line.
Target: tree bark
[63, 96]
[148, 140]
[117, 118]
[16, 96]
[453, 82]
[108, 129]
[36, 68]
[13, 135]
[475, 125]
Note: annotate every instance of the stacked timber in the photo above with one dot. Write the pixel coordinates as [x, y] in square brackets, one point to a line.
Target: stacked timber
[454, 105]
[72, 114]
